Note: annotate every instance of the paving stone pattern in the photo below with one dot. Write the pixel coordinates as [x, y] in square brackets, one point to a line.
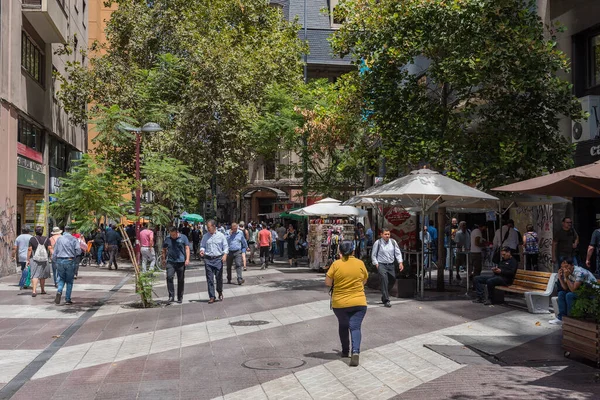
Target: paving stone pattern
[416, 349]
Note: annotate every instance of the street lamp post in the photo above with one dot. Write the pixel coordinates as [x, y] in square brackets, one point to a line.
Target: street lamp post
[149, 128]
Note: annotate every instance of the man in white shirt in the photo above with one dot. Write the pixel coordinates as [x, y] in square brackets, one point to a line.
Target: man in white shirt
[477, 246]
[507, 236]
[385, 250]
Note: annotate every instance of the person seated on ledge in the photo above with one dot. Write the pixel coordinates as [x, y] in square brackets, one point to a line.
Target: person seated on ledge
[504, 274]
[570, 279]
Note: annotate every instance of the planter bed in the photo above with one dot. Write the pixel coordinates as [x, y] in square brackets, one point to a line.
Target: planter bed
[581, 338]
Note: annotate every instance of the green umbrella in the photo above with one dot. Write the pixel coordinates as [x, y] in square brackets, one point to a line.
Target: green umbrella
[193, 218]
[287, 215]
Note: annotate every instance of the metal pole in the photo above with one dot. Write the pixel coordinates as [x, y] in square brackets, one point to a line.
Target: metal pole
[305, 134]
[138, 193]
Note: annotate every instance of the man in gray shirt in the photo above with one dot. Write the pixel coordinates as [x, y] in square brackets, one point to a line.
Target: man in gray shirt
[66, 249]
[385, 250]
[462, 238]
[280, 240]
[214, 248]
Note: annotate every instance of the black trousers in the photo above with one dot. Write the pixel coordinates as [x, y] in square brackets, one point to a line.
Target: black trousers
[172, 269]
[264, 254]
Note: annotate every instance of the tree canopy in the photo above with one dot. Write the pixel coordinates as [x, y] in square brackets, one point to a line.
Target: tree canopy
[468, 87]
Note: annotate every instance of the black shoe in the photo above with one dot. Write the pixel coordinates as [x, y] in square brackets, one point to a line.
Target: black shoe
[458, 278]
[57, 298]
[354, 360]
[68, 302]
[478, 300]
[171, 299]
[241, 282]
[388, 305]
[179, 301]
[345, 354]
[116, 267]
[229, 281]
[487, 303]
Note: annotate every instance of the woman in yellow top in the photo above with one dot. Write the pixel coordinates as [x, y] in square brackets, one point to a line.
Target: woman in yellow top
[348, 276]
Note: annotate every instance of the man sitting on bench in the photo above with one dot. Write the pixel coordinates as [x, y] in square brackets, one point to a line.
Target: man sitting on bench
[504, 274]
[570, 279]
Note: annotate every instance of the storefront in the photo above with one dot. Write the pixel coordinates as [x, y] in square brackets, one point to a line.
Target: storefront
[586, 210]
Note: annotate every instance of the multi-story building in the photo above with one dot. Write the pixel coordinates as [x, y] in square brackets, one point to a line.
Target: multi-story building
[269, 192]
[37, 142]
[580, 40]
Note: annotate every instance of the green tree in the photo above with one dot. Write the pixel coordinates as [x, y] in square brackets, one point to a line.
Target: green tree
[89, 192]
[469, 87]
[197, 67]
[327, 116]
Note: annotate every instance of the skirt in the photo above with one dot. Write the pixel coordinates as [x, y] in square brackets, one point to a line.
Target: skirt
[39, 270]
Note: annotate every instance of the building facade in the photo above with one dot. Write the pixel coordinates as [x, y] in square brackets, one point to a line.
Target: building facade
[270, 192]
[581, 43]
[37, 142]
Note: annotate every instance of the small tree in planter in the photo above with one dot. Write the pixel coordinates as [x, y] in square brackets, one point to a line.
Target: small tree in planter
[581, 331]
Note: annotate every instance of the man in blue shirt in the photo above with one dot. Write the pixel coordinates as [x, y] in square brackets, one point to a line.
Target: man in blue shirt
[236, 241]
[176, 253]
[113, 241]
[433, 234]
[66, 249]
[214, 249]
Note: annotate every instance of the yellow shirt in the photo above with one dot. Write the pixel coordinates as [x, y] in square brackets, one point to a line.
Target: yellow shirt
[348, 277]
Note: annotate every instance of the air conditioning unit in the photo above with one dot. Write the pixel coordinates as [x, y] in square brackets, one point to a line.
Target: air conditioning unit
[590, 129]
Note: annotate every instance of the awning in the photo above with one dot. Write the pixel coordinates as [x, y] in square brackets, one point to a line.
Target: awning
[281, 195]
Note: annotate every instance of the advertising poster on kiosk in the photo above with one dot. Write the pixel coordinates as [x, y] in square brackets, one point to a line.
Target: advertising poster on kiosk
[402, 226]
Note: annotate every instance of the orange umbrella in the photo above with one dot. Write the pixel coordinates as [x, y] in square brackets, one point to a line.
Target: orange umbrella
[582, 181]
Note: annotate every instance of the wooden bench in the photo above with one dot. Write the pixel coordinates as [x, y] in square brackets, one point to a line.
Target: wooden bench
[536, 286]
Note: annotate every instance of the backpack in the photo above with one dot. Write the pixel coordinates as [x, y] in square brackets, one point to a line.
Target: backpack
[40, 255]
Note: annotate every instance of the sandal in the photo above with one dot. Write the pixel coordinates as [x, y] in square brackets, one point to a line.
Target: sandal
[43, 293]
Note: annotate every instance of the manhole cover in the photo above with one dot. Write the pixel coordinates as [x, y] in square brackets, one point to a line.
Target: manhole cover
[274, 363]
[248, 323]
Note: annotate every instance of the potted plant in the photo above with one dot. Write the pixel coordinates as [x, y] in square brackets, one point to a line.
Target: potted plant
[581, 330]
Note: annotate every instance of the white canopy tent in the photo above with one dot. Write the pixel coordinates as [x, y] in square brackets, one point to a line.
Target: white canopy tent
[329, 207]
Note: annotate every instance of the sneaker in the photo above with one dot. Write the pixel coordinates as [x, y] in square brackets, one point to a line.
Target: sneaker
[57, 298]
[487, 303]
[478, 301]
[388, 305]
[262, 266]
[241, 282]
[68, 302]
[555, 321]
[354, 360]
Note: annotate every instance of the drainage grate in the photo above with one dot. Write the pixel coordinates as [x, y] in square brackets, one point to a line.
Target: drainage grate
[274, 363]
[248, 323]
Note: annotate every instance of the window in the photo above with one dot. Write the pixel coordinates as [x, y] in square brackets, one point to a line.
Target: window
[595, 60]
[29, 134]
[334, 13]
[58, 155]
[32, 58]
[269, 169]
[54, 77]
[83, 19]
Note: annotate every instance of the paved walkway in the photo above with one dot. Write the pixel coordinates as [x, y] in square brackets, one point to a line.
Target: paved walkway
[273, 338]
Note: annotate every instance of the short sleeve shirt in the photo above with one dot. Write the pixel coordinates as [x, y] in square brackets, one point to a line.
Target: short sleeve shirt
[146, 238]
[348, 277]
[564, 240]
[264, 238]
[22, 243]
[476, 233]
[581, 275]
[176, 248]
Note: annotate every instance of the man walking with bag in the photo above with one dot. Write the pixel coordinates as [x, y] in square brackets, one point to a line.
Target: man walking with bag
[385, 251]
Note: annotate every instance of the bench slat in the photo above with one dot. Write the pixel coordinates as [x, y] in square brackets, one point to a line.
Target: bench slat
[534, 273]
[532, 285]
[518, 289]
[536, 279]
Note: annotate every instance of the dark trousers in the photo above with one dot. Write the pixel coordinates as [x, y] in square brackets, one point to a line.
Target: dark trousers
[476, 264]
[264, 255]
[172, 269]
[387, 277]
[214, 269]
[234, 256]
[113, 252]
[350, 319]
[196, 247]
[281, 246]
[490, 281]
[531, 260]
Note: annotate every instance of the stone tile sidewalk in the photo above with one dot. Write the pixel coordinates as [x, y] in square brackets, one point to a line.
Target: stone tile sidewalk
[273, 338]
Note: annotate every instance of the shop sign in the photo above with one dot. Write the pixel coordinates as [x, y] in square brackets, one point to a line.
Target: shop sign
[25, 163]
[29, 153]
[587, 152]
[35, 210]
[55, 175]
[30, 178]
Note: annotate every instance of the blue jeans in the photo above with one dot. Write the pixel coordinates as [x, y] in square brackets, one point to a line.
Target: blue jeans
[66, 272]
[99, 254]
[214, 269]
[565, 303]
[350, 319]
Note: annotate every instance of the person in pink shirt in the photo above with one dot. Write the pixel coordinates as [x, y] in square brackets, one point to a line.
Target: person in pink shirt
[264, 241]
[147, 247]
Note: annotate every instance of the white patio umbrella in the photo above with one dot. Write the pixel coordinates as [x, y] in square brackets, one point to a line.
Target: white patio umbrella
[425, 188]
[329, 207]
